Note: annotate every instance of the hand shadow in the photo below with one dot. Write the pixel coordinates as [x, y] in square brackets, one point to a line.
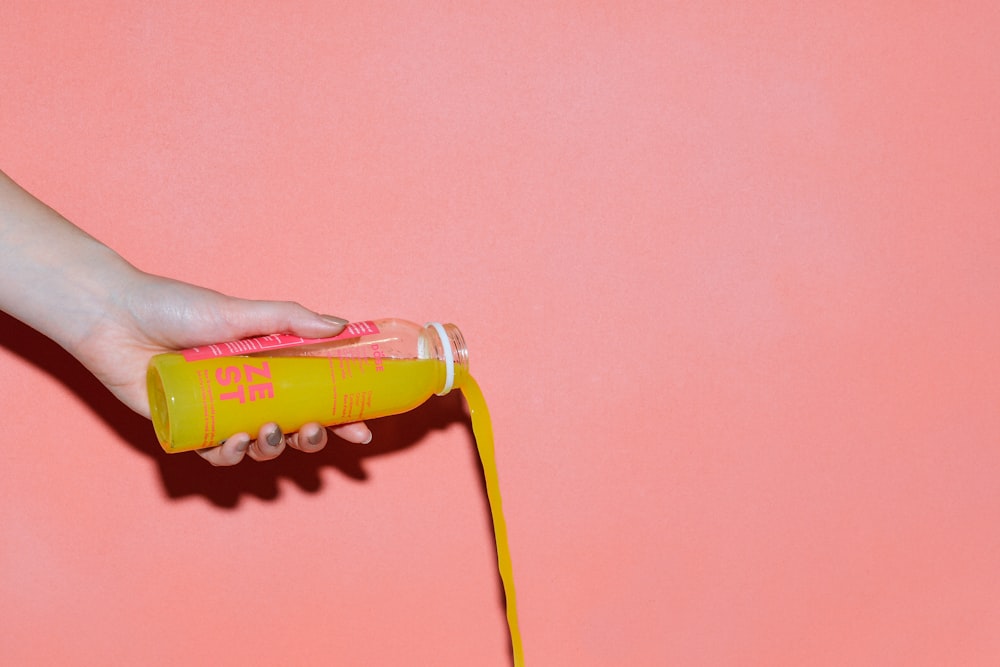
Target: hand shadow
[187, 474]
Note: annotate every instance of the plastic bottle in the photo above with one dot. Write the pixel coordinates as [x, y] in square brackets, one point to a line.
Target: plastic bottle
[372, 369]
[201, 396]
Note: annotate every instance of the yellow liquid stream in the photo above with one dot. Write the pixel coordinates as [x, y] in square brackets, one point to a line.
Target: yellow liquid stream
[482, 429]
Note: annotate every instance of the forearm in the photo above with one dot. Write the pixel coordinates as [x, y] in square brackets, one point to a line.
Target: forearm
[53, 276]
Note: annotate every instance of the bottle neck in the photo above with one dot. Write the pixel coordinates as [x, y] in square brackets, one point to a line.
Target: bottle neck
[446, 343]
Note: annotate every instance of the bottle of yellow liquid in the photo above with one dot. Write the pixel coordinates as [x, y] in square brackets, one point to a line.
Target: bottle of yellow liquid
[200, 397]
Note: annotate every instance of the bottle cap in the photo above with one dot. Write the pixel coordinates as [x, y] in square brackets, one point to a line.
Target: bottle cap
[449, 357]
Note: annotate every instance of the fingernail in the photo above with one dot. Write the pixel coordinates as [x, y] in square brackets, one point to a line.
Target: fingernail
[316, 437]
[243, 444]
[368, 439]
[274, 437]
[338, 321]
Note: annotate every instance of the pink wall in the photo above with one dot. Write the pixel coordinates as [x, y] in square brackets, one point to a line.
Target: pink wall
[730, 279]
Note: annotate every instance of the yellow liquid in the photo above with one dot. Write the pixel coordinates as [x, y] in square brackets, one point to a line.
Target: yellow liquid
[197, 404]
[482, 429]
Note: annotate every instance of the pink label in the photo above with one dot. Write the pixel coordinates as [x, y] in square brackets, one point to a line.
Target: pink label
[273, 342]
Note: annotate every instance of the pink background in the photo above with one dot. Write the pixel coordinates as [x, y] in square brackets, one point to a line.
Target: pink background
[730, 279]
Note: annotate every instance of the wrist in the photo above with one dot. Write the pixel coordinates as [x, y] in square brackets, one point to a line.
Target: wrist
[79, 292]
[54, 277]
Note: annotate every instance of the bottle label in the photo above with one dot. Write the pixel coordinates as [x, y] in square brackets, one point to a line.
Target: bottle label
[273, 342]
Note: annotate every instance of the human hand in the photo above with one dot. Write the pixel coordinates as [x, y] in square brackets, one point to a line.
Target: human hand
[113, 318]
[148, 314]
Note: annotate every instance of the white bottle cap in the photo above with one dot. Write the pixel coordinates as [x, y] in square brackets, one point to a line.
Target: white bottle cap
[449, 358]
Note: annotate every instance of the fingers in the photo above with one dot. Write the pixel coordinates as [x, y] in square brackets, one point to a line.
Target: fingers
[229, 453]
[358, 433]
[310, 439]
[255, 318]
[271, 442]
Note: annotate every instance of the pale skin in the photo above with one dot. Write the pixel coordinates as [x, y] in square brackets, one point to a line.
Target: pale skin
[113, 318]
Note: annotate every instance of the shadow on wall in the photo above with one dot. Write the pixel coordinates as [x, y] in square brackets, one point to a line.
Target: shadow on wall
[187, 474]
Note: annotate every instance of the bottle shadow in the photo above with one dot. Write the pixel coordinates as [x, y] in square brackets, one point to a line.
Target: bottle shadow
[186, 474]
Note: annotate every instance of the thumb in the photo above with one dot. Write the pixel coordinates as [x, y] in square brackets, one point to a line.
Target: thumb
[261, 318]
